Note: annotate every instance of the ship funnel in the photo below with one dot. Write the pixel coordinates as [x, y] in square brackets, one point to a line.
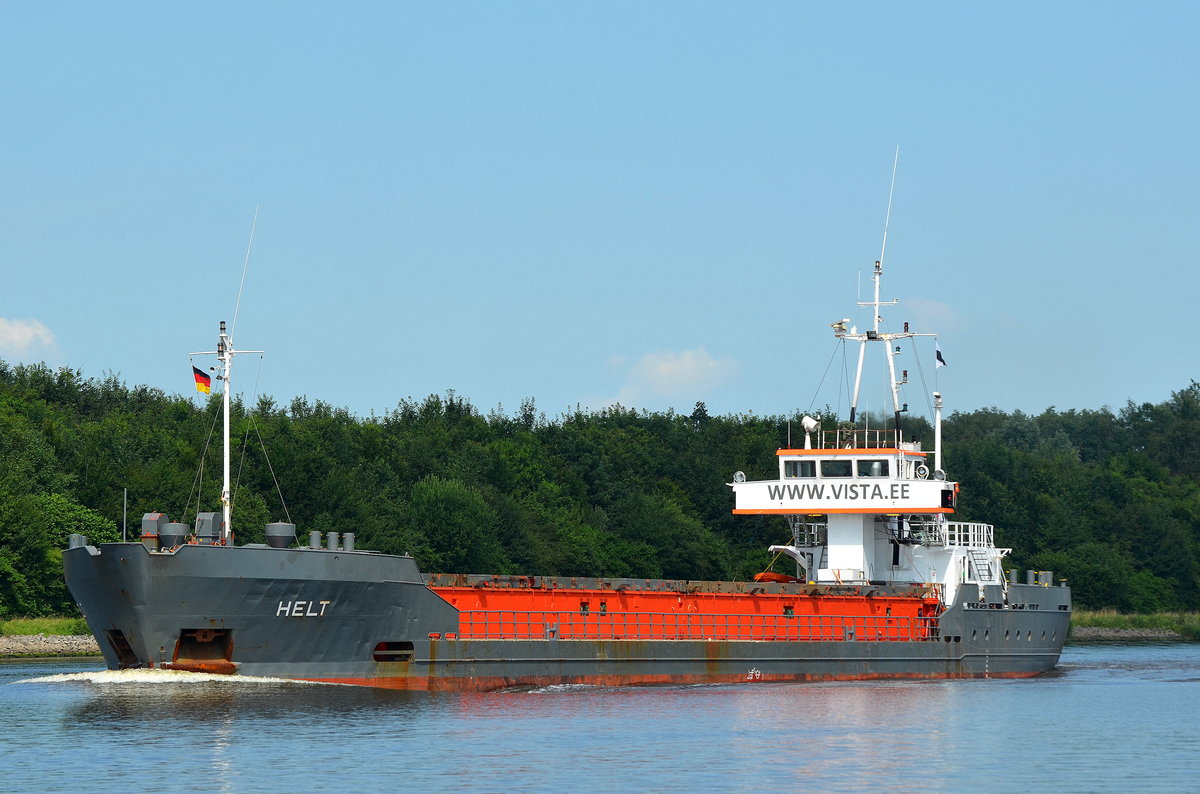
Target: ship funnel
[280, 535]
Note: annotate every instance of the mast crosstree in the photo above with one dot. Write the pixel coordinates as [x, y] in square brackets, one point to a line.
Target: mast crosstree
[841, 331]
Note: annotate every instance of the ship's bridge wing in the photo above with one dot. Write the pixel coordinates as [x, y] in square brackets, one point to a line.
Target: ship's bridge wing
[826, 481]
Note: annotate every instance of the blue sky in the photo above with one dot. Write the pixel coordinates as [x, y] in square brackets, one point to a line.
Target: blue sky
[586, 203]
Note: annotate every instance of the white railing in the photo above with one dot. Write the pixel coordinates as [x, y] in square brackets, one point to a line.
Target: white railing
[859, 438]
[965, 533]
[955, 533]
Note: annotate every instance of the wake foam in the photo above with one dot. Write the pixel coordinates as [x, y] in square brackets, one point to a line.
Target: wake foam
[157, 677]
[551, 689]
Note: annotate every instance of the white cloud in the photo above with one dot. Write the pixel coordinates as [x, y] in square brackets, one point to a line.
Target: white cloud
[616, 363]
[25, 339]
[928, 317]
[670, 375]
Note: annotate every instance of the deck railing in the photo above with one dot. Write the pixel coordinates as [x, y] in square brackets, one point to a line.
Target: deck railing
[512, 624]
[955, 533]
[860, 438]
[962, 533]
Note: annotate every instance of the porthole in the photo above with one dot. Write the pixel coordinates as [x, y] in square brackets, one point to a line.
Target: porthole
[1006, 636]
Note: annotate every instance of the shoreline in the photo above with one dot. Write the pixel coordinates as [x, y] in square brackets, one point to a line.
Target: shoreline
[42, 645]
[1084, 634]
[22, 645]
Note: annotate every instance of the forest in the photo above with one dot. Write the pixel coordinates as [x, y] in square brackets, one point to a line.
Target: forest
[1108, 500]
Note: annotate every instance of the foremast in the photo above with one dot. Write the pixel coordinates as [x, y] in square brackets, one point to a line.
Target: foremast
[225, 353]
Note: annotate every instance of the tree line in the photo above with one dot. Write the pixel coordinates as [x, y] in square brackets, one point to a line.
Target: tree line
[1109, 500]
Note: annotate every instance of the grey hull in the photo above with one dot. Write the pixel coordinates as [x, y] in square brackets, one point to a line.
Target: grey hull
[370, 619]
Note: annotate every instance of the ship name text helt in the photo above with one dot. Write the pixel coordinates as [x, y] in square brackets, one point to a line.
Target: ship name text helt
[302, 609]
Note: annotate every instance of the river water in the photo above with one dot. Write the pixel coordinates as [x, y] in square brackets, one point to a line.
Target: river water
[1111, 718]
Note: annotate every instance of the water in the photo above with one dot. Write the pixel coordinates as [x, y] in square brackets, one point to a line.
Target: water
[1112, 718]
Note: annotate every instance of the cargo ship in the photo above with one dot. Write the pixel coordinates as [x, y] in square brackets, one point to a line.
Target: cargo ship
[882, 585]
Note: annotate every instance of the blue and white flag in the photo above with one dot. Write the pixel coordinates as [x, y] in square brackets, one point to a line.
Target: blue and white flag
[937, 351]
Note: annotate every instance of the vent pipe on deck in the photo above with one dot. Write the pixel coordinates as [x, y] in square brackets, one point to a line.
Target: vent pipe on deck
[280, 534]
[173, 534]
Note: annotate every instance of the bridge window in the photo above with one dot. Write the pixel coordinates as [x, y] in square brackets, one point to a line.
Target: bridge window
[872, 468]
[836, 468]
[799, 468]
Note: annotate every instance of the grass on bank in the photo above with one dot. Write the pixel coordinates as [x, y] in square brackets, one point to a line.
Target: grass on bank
[1186, 624]
[48, 626]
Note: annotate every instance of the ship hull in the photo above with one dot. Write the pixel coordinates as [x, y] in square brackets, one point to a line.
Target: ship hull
[373, 620]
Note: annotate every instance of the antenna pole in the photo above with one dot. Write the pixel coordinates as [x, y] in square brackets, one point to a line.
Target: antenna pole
[878, 272]
[225, 353]
[876, 318]
[888, 218]
[876, 334]
[246, 266]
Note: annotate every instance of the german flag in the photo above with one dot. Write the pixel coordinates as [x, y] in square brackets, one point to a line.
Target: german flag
[203, 381]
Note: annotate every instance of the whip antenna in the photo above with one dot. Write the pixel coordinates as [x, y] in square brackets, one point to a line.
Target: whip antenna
[888, 218]
[250, 244]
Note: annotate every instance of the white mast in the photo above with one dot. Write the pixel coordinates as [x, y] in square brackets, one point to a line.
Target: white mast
[875, 335]
[225, 354]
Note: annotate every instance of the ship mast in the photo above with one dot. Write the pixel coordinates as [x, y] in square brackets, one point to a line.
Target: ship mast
[225, 353]
[875, 335]
[872, 336]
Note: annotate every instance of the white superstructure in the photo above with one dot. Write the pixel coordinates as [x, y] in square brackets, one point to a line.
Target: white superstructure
[865, 506]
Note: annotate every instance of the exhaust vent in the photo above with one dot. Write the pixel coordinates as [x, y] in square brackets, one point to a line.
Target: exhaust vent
[280, 535]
